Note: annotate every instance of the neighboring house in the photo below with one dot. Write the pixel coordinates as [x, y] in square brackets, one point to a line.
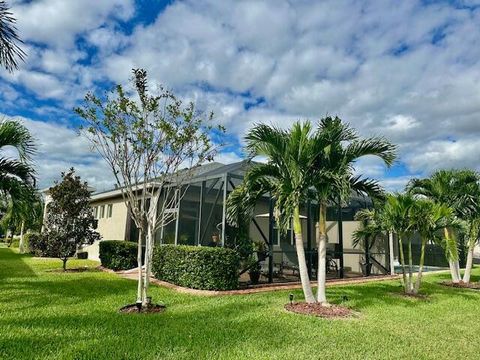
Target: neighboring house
[200, 220]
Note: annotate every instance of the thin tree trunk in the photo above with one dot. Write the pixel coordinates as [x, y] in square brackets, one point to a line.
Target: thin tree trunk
[420, 268]
[410, 267]
[65, 264]
[302, 263]
[402, 262]
[21, 244]
[452, 258]
[140, 272]
[469, 265]
[471, 247]
[322, 254]
[148, 265]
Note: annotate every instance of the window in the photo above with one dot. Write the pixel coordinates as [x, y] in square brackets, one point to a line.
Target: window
[102, 212]
[109, 210]
[288, 236]
[95, 212]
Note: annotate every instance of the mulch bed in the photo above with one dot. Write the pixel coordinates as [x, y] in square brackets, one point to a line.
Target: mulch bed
[462, 285]
[329, 312]
[150, 309]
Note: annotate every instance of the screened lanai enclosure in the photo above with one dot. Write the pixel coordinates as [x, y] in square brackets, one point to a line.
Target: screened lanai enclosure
[200, 220]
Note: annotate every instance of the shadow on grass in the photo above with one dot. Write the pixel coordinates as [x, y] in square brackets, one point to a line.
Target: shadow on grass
[13, 265]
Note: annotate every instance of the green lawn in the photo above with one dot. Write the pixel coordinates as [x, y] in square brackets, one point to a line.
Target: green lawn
[45, 314]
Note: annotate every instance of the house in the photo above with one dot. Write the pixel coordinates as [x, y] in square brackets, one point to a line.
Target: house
[200, 220]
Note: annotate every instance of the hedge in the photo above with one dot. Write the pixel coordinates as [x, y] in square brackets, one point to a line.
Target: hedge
[118, 254]
[206, 268]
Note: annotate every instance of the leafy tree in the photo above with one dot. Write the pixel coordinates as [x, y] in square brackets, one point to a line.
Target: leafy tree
[336, 147]
[69, 221]
[10, 51]
[447, 187]
[285, 177]
[146, 140]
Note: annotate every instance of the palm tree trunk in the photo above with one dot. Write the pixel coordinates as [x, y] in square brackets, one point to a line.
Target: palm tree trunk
[468, 265]
[452, 255]
[471, 247]
[21, 245]
[322, 254]
[410, 267]
[302, 263]
[402, 262]
[420, 268]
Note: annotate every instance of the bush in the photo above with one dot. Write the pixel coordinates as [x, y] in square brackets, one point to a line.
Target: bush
[206, 268]
[36, 245]
[118, 254]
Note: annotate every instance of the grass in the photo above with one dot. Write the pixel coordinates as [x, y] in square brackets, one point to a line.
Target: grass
[50, 315]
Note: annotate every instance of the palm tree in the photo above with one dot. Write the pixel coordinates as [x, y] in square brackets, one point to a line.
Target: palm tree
[447, 187]
[396, 218]
[372, 229]
[10, 52]
[285, 177]
[17, 176]
[336, 147]
[470, 213]
[428, 219]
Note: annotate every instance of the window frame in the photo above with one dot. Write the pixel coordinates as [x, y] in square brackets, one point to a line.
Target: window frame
[109, 211]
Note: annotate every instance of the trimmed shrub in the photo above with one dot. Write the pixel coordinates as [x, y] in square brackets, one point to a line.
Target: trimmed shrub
[206, 268]
[118, 254]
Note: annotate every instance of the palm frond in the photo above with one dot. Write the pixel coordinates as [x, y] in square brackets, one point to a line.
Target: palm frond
[375, 146]
[13, 133]
[17, 169]
[10, 51]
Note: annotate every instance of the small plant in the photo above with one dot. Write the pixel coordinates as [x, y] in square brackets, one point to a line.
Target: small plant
[254, 269]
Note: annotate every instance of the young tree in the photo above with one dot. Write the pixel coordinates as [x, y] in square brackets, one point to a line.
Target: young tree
[427, 220]
[285, 177]
[447, 187]
[396, 218]
[69, 220]
[336, 148]
[470, 213]
[10, 52]
[146, 140]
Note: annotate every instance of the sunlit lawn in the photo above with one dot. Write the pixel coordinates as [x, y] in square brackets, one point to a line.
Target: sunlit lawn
[51, 315]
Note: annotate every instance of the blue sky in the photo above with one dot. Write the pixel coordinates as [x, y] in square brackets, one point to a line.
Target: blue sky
[407, 70]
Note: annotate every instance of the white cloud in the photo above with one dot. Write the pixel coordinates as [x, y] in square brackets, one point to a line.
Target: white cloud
[59, 22]
[411, 74]
[59, 148]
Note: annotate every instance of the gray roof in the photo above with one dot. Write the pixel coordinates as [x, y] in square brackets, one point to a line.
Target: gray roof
[208, 170]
